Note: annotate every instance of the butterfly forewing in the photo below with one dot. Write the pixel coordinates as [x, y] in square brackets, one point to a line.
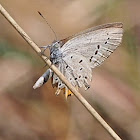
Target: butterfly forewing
[95, 45]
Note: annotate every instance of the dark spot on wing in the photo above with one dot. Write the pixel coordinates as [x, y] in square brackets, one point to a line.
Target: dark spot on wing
[66, 66]
[98, 46]
[106, 42]
[71, 57]
[88, 87]
[75, 78]
[91, 58]
[80, 76]
[96, 52]
[85, 77]
[59, 84]
[80, 61]
[108, 38]
[97, 62]
[80, 68]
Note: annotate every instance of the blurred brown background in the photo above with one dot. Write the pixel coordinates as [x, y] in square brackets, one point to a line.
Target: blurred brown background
[27, 114]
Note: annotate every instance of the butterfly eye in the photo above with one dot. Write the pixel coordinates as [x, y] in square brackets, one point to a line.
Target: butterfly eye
[56, 44]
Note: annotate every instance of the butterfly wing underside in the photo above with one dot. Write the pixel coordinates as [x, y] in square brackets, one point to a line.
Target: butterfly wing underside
[87, 50]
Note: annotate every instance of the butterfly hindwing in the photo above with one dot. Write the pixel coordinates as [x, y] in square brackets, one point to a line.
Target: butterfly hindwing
[80, 68]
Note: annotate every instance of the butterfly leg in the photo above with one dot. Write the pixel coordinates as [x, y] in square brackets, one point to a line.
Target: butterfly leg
[68, 92]
[58, 91]
[44, 49]
[77, 88]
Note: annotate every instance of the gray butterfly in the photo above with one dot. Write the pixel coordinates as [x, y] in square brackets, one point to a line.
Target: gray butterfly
[77, 55]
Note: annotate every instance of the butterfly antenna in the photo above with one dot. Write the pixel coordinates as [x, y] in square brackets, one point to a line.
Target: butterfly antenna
[48, 24]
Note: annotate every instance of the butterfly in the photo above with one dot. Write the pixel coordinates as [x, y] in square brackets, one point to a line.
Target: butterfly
[77, 55]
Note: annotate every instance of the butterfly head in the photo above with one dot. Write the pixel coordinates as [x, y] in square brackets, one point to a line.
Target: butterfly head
[56, 44]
